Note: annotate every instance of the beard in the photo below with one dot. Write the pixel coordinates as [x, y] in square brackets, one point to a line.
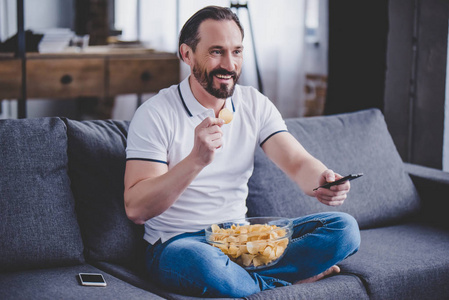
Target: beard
[206, 80]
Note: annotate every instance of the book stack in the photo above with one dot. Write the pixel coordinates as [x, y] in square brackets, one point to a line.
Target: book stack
[55, 40]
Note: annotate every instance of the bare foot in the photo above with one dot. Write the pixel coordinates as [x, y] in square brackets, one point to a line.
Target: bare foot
[332, 270]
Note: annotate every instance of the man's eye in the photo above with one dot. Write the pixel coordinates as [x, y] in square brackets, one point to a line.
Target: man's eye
[216, 52]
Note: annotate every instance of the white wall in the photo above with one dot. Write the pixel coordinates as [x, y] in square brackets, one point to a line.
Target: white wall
[44, 14]
[39, 14]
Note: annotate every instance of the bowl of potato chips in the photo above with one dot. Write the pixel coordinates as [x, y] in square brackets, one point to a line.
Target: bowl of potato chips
[253, 243]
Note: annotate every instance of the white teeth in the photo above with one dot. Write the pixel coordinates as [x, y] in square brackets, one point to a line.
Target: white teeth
[223, 76]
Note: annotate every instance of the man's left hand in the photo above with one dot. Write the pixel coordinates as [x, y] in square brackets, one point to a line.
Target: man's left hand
[336, 194]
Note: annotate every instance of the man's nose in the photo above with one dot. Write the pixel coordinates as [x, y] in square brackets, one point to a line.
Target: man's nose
[228, 62]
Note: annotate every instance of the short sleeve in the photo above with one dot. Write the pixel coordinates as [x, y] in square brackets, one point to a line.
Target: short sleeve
[271, 121]
[147, 136]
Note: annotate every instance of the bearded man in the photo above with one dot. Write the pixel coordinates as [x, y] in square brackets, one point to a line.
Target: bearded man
[186, 169]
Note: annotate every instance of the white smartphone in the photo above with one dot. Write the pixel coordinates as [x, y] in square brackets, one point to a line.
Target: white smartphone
[92, 279]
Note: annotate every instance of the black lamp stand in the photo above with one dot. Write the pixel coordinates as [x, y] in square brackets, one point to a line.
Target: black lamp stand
[237, 6]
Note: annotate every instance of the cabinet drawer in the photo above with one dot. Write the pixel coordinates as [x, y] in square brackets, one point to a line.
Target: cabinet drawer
[65, 78]
[137, 75]
[10, 79]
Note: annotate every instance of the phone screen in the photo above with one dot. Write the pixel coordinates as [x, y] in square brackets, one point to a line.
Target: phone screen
[92, 279]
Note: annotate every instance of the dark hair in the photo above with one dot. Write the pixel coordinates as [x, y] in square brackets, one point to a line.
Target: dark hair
[189, 33]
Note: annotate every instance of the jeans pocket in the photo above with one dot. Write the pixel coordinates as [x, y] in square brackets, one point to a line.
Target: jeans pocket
[268, 282]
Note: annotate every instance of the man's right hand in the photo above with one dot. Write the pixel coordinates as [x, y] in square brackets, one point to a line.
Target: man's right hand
[207, 139]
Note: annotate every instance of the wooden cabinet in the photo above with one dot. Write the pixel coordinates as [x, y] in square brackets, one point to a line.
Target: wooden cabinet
[65, 78]
[99, 72]
[140, 75]
[10, 78]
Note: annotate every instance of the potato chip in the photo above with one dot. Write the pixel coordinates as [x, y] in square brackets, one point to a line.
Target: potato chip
[278, 251]
[232, 250]
[226, 115]
[243, 238]
[269, 253]
[215, 228]
[250, 245]
[247, 259]
[260, 260]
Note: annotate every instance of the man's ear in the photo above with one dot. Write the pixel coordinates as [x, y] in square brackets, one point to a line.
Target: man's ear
[186, 53]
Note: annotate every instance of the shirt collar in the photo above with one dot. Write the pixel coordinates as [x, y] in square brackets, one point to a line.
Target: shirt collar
[191, 105]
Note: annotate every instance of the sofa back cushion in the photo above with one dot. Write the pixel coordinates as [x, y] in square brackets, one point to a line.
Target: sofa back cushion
[96, 168]
[356, 142]
[38, 226]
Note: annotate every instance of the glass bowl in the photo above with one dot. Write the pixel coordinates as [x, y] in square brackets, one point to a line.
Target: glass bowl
[253, 243]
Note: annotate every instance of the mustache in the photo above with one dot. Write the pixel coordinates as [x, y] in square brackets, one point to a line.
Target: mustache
[222, 72]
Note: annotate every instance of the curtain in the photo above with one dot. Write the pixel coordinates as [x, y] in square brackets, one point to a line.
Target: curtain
[357, 55]
[279, 35]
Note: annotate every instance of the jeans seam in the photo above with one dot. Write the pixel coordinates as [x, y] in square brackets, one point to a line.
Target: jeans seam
[323, 224]
[273, 279]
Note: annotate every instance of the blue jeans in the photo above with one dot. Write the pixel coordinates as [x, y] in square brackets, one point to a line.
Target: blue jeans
[187, 264]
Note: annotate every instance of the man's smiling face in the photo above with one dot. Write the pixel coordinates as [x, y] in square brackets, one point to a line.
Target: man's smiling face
[218, 57]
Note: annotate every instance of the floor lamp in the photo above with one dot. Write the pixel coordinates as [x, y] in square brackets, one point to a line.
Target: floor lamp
[237, 6]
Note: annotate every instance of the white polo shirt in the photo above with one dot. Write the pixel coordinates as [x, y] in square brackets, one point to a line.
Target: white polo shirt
[163, 129]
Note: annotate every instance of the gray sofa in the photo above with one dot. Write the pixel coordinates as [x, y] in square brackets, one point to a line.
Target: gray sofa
[61, 212]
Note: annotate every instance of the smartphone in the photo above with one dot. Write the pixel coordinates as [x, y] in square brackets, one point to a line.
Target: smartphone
[92, 279]
[341, 180]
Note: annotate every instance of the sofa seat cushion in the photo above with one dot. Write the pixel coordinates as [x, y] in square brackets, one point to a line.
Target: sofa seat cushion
[96, 168]
[356, 142]
[38, 225]
[63, 283]
[142, 281]
[344, 287]
[409, 261]
[339, 287]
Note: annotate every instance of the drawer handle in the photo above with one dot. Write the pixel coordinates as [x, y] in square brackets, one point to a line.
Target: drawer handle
[145, 76]
[66, 79]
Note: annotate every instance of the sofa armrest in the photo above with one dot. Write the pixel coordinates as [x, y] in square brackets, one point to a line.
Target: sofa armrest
[433, 187]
